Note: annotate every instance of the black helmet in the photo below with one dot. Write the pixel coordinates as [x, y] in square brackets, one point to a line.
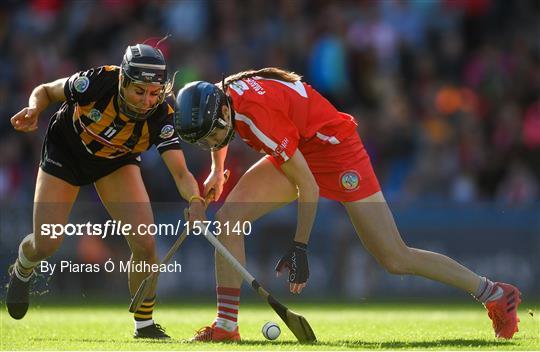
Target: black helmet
[197, 113]
[142, 64]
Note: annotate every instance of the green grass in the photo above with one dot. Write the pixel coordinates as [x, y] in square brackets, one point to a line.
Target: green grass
[338, 327]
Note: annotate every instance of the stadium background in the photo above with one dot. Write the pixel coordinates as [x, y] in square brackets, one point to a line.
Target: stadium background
[446, 93]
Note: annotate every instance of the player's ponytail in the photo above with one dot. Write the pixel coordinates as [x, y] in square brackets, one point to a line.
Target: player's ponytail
[268, 72]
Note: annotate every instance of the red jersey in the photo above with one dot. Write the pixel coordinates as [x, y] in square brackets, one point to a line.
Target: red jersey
[277, 117]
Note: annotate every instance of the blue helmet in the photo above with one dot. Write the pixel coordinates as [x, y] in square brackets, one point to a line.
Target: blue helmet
[143, 64]
[198, 113]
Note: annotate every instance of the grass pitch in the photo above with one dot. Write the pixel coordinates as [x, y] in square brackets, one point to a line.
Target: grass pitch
[363, 326]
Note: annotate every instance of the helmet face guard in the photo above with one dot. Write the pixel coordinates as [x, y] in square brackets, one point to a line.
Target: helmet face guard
[198, 114]
[230, 133]
[142, 64]
[219, 124]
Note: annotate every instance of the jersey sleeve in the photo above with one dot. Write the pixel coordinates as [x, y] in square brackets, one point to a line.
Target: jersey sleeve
[85, 87]
[164, 136]
[269, 130]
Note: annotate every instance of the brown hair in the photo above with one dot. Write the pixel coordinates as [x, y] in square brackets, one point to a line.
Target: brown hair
[268, 72]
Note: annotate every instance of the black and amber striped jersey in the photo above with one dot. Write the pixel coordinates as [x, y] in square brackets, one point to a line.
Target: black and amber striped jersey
[92, 111]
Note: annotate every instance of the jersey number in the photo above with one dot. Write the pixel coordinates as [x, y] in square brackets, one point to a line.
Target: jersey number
[297, 86]
[111, 131]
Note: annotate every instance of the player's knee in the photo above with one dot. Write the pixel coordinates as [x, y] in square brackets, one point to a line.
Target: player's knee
[396, 263]
[144, 250]
[394, 267]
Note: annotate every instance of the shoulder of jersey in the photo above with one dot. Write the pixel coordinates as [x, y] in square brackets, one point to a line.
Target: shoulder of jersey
[109, 71]
[239, 87]
[108, 68]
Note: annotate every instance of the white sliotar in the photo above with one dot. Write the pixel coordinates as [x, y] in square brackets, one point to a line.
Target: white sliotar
[271, 330]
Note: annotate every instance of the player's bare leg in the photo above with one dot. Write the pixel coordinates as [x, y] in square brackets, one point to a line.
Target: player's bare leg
[259, 191]
[124, 196]
[377, 230]
[53, 200]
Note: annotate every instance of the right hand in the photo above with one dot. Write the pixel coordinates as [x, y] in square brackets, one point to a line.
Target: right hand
[25, 120]
[215, 182]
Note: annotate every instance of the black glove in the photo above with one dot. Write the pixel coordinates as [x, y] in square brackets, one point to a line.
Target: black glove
[297, 263]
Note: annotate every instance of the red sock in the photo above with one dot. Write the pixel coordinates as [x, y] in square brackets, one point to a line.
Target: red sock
[228, 303]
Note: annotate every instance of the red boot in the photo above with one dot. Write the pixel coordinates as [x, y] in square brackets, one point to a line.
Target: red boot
[503, 311]
[213, 333]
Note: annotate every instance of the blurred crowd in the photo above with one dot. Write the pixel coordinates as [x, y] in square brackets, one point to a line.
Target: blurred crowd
[446, 92]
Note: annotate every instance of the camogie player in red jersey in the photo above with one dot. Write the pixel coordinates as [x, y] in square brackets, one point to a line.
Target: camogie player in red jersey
[311, 150]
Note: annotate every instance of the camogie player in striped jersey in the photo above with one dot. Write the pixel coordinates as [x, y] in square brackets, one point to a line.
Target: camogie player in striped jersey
[311, 150]
[108, 117]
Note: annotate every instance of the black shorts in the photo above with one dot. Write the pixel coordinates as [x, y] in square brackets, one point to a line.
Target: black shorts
[64, 156]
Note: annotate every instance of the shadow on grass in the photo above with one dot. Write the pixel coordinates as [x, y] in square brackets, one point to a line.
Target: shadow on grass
[388, 345]
[349, 344]
[83, 340]
[445, 343]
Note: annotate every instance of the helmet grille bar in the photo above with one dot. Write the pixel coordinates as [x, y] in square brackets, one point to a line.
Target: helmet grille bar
[150, 66]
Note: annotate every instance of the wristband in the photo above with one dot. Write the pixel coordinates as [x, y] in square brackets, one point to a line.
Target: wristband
[192, 198]
[300, 245]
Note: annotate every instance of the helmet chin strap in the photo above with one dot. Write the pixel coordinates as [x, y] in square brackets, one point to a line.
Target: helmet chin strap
[230, 125]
